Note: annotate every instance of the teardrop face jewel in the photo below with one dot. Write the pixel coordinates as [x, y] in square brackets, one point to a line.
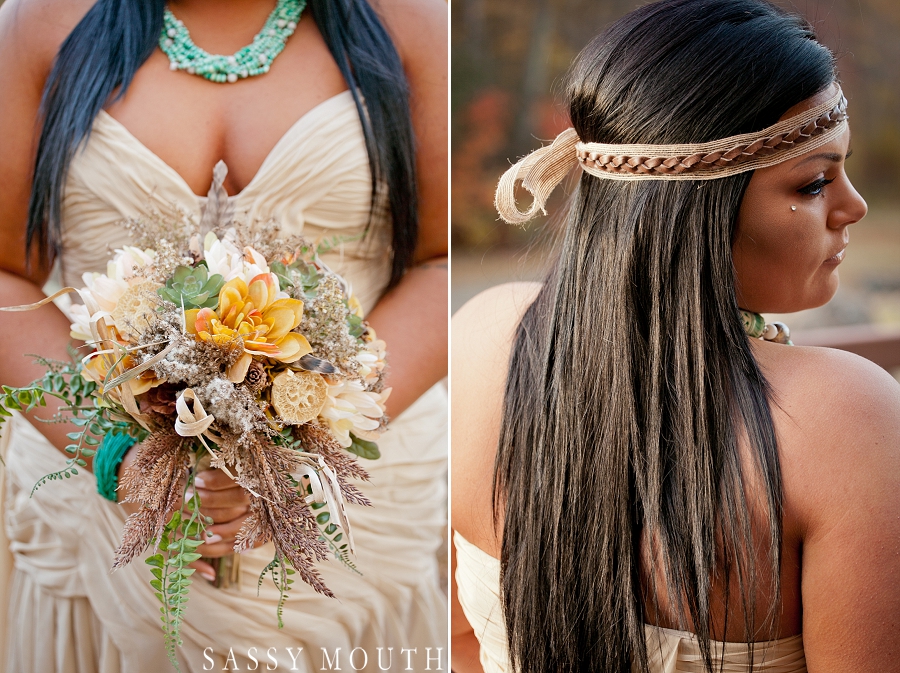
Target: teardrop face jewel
[793, 207]
[254, 59]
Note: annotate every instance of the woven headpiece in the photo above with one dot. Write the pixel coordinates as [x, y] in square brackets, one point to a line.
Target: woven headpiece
[542, 170]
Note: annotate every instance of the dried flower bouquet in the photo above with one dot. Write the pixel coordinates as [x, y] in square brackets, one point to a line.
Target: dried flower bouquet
[214, 344]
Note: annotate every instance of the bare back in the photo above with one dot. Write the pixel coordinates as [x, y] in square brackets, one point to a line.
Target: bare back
[837, 418]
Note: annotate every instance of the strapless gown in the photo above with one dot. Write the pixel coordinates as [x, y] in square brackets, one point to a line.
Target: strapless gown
[478, 588]
[68, 614]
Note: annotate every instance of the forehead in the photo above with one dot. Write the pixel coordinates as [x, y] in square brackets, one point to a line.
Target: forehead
[830, 152]
[806, 165]
[811, 102]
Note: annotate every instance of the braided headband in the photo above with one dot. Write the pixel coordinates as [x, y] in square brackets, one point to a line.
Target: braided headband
[542, 170]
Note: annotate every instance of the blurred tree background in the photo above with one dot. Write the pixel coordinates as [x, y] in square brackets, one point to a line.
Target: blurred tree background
[508, 61]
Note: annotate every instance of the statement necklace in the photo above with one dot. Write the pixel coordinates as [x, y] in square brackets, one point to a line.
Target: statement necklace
[757, 328]
[254, 59]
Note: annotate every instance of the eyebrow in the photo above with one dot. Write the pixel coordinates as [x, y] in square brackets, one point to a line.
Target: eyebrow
[830, 156]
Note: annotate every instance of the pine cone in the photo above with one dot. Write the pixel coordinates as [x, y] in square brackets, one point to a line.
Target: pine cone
[256, 378]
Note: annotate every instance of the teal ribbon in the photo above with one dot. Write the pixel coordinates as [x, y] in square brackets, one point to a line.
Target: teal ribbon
[107, 460]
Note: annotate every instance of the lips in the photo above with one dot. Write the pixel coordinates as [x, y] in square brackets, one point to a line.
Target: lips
[837, 257]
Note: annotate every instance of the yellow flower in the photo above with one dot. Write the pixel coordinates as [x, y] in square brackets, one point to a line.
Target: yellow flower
[263, 322]
[355, 307]
[205, 323]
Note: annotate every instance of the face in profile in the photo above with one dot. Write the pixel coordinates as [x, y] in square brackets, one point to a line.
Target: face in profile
[793, 227]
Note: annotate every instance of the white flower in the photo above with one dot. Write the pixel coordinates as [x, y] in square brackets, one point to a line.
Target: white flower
[371, 360]
[121, 273]
[350, 408]
[81, 322]
[254, 263]
[225, 258]
[128, 261]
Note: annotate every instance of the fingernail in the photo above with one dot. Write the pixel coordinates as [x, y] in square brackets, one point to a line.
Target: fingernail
[189, 493]
[212, 539]
[209, 575]
[199, 483]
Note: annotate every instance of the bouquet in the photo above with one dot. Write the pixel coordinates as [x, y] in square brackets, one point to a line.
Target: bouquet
[219, 344]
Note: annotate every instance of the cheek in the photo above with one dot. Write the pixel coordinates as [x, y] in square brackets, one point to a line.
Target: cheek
[776, 255]
[763, 246]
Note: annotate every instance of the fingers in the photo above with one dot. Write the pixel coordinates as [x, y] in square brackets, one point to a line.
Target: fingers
[225, 499]
[221, 504]
[204, 569]
[221, 538]
[213, 480]
[224, 514]
[227, 530]
[217, 550]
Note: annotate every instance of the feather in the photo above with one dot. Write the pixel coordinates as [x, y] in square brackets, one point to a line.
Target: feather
[311, 363]
[219, 210]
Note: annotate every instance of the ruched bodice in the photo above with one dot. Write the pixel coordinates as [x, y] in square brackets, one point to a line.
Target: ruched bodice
[67, 613]
[669, 651]
[315, 182]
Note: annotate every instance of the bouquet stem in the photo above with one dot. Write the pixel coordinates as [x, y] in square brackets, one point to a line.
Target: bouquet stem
[228, 570]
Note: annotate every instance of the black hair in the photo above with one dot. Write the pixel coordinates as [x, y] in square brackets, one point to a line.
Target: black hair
[97, 62]
[619, 477]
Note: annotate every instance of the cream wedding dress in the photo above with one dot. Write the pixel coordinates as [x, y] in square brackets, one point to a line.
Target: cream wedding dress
[478, 589]
[67, 613]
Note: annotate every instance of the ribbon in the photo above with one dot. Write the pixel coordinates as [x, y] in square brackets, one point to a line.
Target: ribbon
[196, 423]
[540, 173]
[542, 170]
[45, 300]
[325, 490]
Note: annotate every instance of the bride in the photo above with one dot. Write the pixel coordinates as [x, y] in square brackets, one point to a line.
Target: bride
[336, 130]
[641, 482]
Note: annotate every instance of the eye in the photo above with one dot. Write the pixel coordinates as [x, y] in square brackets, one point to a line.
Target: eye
[815, 188]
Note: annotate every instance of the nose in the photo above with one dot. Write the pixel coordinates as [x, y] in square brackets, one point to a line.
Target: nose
[851, 208]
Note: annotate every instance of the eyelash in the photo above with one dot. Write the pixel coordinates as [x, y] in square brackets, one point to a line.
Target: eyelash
[815, 188]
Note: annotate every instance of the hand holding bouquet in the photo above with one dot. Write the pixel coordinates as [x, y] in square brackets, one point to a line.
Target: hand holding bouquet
[215, 345]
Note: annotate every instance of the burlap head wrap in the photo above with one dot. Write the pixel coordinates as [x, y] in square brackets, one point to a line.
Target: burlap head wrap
[542, 170]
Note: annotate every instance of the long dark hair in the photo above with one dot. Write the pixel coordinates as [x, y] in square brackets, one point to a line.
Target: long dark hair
[618, 475]
[96, 64]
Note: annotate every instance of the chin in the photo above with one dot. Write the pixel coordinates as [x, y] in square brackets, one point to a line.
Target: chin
[821, 295]
[814, 296]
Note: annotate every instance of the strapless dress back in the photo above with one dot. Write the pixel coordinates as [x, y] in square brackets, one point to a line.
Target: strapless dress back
[669, 651]
[68, 614]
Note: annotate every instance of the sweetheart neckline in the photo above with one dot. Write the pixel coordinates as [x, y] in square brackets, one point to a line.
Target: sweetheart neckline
[233, 197]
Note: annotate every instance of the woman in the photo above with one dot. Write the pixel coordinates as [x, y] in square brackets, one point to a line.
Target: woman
[101, 125]
[670, 493]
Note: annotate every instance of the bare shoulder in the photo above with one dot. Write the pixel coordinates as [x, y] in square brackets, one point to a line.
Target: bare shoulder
[482, 335]
[482, 332]
[419, 31]
[415, 25]
[838, 421]
[831, 392]
[37, 28]
[487, 321]
[31, 32]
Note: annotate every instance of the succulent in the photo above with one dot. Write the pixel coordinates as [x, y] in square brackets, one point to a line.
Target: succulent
[299, 275]
[192, 287]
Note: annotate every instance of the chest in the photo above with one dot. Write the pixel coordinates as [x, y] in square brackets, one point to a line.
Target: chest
[191, 123]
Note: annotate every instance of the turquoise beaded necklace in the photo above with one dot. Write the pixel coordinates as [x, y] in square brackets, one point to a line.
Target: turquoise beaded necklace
[756, 327]
[254, 59]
